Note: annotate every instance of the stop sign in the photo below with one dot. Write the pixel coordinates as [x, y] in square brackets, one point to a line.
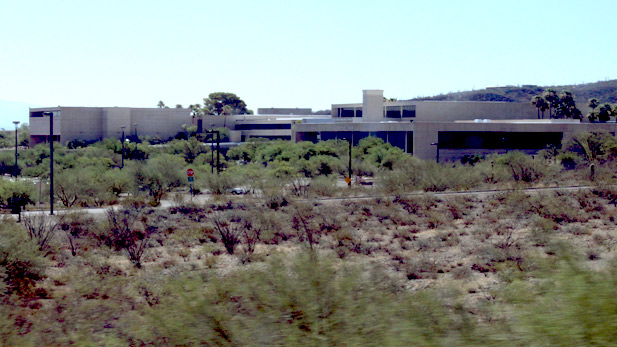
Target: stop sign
[190, 172]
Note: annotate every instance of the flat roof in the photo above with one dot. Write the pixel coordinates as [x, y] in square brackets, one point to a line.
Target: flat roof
[522, 121]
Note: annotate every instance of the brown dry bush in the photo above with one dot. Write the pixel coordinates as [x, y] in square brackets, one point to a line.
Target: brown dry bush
[229, 226]
[130, 229]
[80, 231]
[41, 227]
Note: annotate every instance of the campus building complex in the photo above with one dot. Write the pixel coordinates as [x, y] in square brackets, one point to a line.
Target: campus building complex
[438, 130]
[97, 123]
[446, 130]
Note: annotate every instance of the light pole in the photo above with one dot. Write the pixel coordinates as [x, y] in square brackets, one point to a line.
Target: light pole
[15, 168]
[218, 148]
[51, 161]
[122, 150]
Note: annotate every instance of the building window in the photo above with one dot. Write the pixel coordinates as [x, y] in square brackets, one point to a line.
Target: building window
[409, 111]
[393, 111]
[346, 112]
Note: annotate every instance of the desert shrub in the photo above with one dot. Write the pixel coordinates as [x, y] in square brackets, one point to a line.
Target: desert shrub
[571, 306]
[76, 227]
[230, 226]
[299, 302]
[218, 183]
[304, 222]
[569, 160]
[322, 186]
[274, 226]
[21, 263]
[41, 228]
[522, 167]
[130, 229]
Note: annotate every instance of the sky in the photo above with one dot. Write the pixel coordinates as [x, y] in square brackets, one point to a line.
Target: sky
[313, 53]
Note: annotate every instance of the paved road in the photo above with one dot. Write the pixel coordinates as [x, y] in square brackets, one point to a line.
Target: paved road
[203, 198]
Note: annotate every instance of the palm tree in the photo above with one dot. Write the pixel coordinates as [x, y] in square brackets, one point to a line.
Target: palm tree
[593, 103]
[551, 97]
[540, 103]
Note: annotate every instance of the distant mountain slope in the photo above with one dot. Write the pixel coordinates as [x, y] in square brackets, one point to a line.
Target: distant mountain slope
[604, 91]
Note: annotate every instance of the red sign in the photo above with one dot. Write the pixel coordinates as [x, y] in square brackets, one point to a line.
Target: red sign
[190, 172]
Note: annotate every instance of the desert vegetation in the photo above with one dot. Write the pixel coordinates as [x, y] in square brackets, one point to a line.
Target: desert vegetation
[430, 254]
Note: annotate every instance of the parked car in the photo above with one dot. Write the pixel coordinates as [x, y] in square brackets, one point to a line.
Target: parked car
[238, 191]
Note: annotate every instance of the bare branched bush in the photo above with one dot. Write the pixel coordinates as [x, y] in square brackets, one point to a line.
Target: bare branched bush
[41, 227]
[305, 223]
[130, 230]
[230, 229]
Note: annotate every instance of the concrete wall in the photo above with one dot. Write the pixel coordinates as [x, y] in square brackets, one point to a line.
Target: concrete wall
[161, 122]
[445, 110]
[83, 123]
[114, 118]
[372, 106]
[469, 110]
[285, 111]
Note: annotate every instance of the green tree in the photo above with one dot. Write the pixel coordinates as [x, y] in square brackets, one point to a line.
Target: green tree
[604, 113]
[16, 195]
[593, 103]
[161, 104]
[566, 107]
[593, 147]
[224, 104]
[540, 103]
[552, 98]
[160, 175]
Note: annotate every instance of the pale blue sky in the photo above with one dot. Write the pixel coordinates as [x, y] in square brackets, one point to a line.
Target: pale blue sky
[294, 53]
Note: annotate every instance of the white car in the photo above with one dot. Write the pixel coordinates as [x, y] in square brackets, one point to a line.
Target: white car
[238, 191]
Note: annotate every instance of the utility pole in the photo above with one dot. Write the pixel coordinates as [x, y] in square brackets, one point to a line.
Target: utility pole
[218, 148]
[51, 161]
[122, 150]
[15, 168]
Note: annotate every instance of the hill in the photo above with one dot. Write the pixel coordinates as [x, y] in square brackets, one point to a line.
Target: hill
[604, 91]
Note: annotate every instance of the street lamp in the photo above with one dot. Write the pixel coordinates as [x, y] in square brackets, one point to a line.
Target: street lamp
[15, 168]
[218, 148]
[122, 150]
[51, 161]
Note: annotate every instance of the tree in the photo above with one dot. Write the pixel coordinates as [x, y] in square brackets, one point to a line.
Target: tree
[540, 103]
[160, 175]
[593, 103]
[604, 113]
[566, 107]
[16, 195]
[161, 104]
[551, 97]
[224, 104]
[592, 147]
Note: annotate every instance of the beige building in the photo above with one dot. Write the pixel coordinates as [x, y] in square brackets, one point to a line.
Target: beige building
[444, 130]
[97, 123]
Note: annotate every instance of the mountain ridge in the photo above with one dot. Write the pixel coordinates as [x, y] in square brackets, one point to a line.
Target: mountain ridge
[604, 91]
